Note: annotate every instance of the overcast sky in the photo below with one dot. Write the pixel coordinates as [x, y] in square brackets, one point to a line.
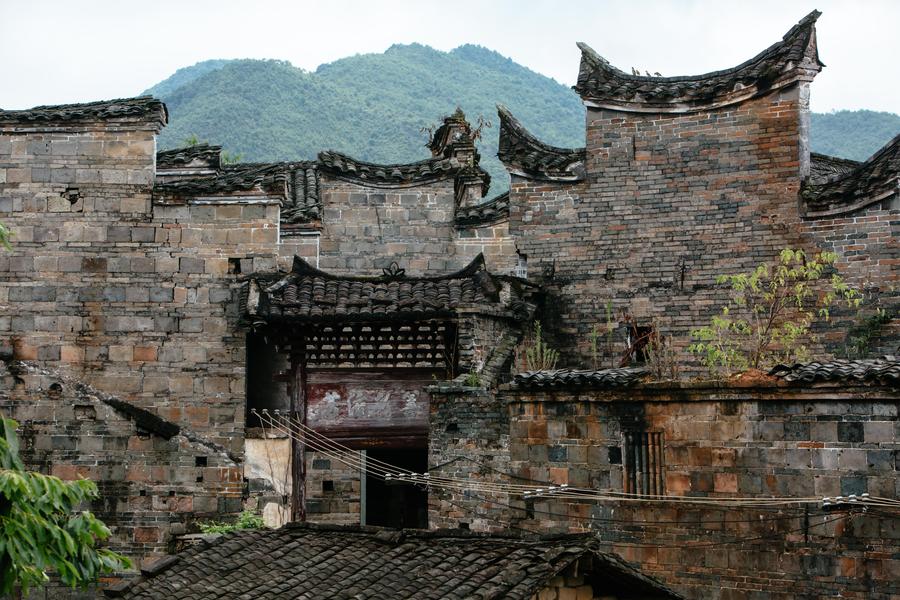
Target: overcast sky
[79, 50]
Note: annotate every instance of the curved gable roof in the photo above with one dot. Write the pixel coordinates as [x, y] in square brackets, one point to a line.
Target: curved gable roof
[526, 155]
[874, 180]
[793, 58]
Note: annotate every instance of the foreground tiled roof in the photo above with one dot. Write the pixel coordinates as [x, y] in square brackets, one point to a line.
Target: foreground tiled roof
[495, 209]
[525, 155]
[572, 378]
[603, 85]
[875, 180]
[884, 371]
[140, 108]
[306, 293]
[309, 561]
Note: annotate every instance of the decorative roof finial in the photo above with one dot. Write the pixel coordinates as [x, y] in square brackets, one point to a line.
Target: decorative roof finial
[394, 272]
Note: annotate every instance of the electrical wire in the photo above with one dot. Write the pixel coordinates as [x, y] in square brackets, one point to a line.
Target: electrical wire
[387, 470]
[328, 447]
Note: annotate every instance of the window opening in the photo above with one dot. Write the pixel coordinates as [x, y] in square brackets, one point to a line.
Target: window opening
[521, 269]
[638, 339]
[644, 471]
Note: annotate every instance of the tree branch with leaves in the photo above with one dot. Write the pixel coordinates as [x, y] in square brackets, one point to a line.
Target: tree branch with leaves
[41, 528]
[770, 313]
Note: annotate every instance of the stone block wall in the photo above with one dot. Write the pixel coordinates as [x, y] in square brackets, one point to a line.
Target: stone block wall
[491, 240]
[866, 242]
[152, 486]
[332, 490]
[364, 228]
[132, 297]
[720, 442]
[468, 439]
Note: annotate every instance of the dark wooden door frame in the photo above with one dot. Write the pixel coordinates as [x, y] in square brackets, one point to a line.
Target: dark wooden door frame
[298, 448]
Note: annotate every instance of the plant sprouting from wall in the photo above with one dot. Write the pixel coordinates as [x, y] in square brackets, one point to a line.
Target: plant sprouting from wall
[473, 379]
[534, 354]
[5, 234]
[246, 520]
[661, 356]
[865, 331]
[603, 334]
[769, 317]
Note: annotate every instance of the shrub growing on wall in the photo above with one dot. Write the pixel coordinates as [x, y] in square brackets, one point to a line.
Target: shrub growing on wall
[770, 313]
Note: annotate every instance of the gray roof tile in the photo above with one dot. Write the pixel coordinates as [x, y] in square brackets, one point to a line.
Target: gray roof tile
[885, 371]
[528, 156]
[319, 561]
[874, 180]
[573, 378]
[142, 107]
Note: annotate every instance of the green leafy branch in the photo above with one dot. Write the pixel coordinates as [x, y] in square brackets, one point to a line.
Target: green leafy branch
[770, 313]
[40, 529]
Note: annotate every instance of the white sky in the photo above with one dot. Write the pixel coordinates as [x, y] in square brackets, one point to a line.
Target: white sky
[59, 51]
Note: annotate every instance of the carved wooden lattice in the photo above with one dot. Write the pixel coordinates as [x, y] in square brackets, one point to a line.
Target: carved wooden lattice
[429, 344]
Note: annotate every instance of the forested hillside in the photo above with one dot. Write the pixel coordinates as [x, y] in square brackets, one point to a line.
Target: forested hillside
[375, 106]
[855, 134]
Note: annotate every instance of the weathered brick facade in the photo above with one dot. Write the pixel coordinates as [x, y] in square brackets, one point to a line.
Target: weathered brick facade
[758, 440]
[152, 300]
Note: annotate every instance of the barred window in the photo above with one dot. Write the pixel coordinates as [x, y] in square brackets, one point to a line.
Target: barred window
[644, 471]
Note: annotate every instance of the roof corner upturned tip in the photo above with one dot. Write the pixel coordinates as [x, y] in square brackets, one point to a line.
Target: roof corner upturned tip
[525, 155]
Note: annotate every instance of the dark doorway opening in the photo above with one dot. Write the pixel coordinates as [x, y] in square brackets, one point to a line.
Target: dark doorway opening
[397, 505]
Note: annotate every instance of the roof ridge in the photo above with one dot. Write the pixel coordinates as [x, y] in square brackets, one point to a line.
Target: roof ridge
[684, 92]
[137, 106]
[301, 267]
[830, 197]
[344, 156]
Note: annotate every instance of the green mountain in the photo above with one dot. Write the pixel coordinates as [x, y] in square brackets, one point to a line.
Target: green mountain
[855, 134]
[375, 106]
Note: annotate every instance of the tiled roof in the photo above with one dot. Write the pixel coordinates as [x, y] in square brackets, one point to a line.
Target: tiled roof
[525, 155]
[142, 107]
[823, 167]
[321, 561]
[243, 177]
[306, 293]
[572, 378]
[495, 209]
[199, 155]
[885, 371]
[431, 169]
[601, 84]
[873, 181]
[197, 171]
[305, 203]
